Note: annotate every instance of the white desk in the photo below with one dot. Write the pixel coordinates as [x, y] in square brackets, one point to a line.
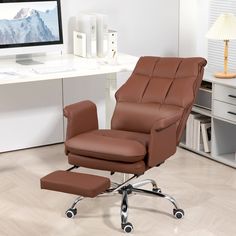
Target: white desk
[31, 104]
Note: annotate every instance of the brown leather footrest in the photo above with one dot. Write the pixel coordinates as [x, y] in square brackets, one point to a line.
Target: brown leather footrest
[85, 185]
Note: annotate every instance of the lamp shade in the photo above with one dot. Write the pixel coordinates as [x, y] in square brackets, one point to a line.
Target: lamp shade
[224, 28]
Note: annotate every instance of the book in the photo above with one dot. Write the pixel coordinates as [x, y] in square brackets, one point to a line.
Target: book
[201, 145]
[206, 136]
[188, 132]
[197, 136]
[190, 129]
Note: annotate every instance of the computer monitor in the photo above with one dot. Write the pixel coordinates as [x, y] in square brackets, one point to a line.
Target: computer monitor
[30, 26]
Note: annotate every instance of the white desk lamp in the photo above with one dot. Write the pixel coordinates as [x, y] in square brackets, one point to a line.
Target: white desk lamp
[224, 29]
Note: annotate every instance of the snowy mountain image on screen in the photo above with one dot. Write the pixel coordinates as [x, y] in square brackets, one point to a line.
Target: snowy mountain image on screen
[30, 26]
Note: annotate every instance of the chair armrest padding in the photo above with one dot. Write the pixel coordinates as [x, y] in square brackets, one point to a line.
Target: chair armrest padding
[166, 122]
[81, 118]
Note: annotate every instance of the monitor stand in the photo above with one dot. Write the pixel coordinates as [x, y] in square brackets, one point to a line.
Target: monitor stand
[27, 60]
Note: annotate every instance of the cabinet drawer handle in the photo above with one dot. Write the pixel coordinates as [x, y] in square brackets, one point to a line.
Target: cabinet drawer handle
[232, 96]
[232, 113]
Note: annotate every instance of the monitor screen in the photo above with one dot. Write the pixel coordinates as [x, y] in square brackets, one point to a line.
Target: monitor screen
[30, 23]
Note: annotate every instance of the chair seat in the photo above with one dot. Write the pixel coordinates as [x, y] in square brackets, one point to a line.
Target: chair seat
[113, 145]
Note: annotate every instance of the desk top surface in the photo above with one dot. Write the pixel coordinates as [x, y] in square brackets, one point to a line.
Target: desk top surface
[209, 76]
[12, 72]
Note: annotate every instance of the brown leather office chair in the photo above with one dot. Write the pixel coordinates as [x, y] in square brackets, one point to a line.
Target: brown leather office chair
[150, 115]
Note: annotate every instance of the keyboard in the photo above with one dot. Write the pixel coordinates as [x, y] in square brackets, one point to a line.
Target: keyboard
[53, 69]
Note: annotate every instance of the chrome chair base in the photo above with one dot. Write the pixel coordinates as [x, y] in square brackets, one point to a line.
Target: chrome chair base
[126, 189]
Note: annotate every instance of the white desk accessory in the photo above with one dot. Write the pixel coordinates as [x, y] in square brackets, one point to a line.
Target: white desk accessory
[86, 23]
[112, 47]
[79, 41]
[102, 35]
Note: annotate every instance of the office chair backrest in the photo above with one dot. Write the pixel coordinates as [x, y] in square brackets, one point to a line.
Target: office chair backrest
[156, 87]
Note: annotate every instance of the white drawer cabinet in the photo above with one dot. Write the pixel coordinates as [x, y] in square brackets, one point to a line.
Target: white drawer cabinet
[224, 110]
[225, 94]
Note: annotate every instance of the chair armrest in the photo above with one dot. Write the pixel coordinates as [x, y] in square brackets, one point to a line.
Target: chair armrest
[166, 122]
[81, 118]
[163, 139]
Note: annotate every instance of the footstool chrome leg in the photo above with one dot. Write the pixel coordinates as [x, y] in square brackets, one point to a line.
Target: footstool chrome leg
[145, 182]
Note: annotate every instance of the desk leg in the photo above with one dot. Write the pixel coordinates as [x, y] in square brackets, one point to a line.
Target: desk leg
[111, 87]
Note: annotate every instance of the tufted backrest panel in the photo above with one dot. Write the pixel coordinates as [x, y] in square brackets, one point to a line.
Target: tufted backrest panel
[157, 86]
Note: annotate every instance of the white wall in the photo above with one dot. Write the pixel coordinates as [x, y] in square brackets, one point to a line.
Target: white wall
[144, 27]
[193, 26]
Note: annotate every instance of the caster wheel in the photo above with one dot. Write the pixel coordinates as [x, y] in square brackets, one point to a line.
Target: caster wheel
[156, 190]
[70, 213]
[128, 227]
[178, 213]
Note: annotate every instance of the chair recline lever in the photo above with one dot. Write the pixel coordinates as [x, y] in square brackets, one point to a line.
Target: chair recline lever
[72, 168]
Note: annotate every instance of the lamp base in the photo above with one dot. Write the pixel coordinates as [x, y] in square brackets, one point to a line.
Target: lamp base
[222, 75]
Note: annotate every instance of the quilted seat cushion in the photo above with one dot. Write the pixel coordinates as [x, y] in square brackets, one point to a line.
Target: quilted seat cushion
[113, 145]
[85, 185]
